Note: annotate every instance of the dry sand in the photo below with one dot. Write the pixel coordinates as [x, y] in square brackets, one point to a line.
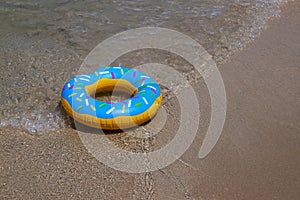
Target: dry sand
[257, 156]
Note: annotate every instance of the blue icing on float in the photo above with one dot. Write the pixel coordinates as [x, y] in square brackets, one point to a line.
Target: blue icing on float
[148, 91]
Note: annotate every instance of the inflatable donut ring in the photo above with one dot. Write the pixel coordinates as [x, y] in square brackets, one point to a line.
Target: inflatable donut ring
[77, 98]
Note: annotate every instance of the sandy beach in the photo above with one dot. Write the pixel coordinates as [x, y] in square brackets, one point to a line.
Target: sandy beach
[256, 157]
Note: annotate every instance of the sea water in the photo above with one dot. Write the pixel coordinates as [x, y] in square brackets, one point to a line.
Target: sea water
[42, 43]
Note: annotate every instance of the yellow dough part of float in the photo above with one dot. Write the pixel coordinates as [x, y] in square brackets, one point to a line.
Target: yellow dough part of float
[140, 108]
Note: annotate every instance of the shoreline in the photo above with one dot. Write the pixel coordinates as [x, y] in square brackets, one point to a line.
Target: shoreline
[255, 158]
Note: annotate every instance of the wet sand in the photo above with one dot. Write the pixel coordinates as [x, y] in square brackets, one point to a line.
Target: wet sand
[257, 156]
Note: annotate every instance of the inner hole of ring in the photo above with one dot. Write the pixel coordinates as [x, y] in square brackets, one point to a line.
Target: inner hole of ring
[111, 90]
[113, 95]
